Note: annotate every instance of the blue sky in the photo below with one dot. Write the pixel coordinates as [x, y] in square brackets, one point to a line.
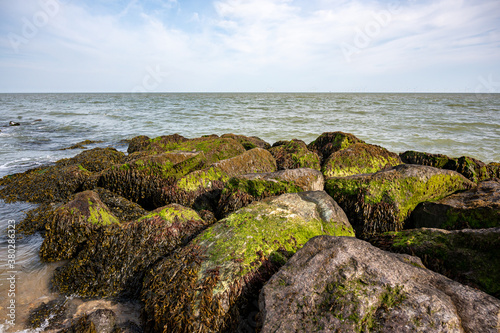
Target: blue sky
[249, 46]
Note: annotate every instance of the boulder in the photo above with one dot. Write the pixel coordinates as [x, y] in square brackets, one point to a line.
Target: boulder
[114, 260]
[471, 168]
[44, 184]
[294, 154]
[343, 284]
[358, 159]
[241, 190]
[249, 142]
[73, 224]
[476, 208]
[94, 160]
[199, 287]
[201, 189]
[330, 142]
[81, 145]
[99, 321]
[471, 257]
[382, 201]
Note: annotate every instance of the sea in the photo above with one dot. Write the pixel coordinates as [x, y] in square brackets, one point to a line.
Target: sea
[451, 124]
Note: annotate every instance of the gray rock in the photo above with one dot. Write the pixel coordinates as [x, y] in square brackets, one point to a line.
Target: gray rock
[475, 208]
[342, 284]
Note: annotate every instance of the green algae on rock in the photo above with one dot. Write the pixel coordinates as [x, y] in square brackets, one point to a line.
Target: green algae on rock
[471, 257]
[73, 224]
[471, 168]
[249, 142]
[343, 284]
[330, 142]
[294, 154]
[241, 190]
[114, 260]
[358, 159]
[477, 208]
[198, 287]
[382, 201]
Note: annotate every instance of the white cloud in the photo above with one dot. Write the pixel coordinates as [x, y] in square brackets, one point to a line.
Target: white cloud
[252, 44]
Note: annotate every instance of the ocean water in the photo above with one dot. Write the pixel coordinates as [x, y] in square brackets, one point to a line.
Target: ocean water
[451, 124]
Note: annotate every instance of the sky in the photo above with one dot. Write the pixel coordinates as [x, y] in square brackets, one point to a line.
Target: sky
[250, 46]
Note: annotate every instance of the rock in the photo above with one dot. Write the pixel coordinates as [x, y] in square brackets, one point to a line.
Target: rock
[294, 154]
[330, 142]
[242, 190]
[44, 184]
[12, 123]
[358, 159]
[342, 284]
[471, 257]
[476, 208]
[94, 160]
[104, 320]
[138, 143]
[249, 142]
[99, 321]
[73, 224]
[120, 207]
[114, 260]
[201, 189]
[81, 145]
[199, 287]
[383, 201]
[471, 168]
[215, 148]
[50, 314]
[128, 327]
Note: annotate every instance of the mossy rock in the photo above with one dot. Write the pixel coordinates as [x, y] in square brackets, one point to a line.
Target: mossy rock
[73, 224]
[249, 142]
[383, 201]
[94, 160]
[215, 148]
[343, 284]
[44, 184]
[294, 154]
[477, 208]
[81, 145]
[471, 168]
[358, 159]
[330, 142]
[123, 209]
[113, 261]
[197, 289]
[242, 190]
[471, 257]
[50, 314]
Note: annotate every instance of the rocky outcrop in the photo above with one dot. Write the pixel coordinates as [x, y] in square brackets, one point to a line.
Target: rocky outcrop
[73, 224]
[468, 256]
[382, 201]
[294, 154]
[342, 284]
[476, 208]
[249, 142]
[331, 142]
[197, 289]
[242, 190]
[471, 168]
[358, 159]
[114, 260]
